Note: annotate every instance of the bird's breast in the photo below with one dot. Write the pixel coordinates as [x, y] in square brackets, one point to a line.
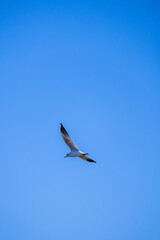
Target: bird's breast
[75, 154]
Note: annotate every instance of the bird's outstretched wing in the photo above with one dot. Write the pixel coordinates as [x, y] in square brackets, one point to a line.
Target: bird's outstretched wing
[67, 139]
[84, 157]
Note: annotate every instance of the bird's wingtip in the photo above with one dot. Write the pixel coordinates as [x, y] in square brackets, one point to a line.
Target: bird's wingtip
[61, 127]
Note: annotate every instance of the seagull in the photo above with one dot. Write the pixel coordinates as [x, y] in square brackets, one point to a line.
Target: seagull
[75, 152]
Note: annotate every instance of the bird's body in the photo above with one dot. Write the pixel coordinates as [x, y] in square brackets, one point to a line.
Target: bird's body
[75, 152]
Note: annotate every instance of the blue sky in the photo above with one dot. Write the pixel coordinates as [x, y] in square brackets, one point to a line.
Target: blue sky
[94, 66]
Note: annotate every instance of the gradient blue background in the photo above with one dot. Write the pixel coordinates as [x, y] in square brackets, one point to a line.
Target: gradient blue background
[94, 66]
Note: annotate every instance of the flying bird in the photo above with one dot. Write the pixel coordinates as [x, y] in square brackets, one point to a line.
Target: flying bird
[75, 152]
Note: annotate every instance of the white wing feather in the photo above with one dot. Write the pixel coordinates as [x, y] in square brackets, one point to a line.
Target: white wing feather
[67, 139]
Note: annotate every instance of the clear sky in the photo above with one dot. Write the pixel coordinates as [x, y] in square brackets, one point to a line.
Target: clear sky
[94, 66]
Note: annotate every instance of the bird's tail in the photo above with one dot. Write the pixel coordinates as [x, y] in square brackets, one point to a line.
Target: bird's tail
[85, 154]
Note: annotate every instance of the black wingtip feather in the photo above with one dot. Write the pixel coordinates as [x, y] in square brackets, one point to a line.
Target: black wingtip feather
[63, 130]
[90, 160]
